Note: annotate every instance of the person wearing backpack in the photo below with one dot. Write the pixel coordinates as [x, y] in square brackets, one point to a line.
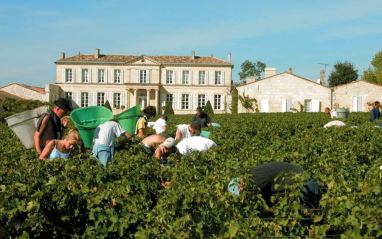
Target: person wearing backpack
[51, 124]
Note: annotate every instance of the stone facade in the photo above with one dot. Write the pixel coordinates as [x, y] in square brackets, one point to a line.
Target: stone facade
[285, 92]
[357, 96]
[25, 92]
[124, 80]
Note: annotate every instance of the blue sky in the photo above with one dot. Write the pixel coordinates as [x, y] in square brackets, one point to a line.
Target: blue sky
[282, 34]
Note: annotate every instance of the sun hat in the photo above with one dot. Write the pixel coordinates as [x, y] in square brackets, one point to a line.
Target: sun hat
[169, 143]
[233, 186]
[64, 104]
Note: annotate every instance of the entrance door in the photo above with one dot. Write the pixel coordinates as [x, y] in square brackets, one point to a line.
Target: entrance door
[142, 100]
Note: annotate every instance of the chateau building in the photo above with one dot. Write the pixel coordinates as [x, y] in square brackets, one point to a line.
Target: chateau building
[126, 80]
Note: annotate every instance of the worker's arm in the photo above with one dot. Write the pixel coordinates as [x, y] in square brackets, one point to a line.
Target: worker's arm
[127, 135]
[48, 148]
[178, 134]
[37, 135]
[158, 153]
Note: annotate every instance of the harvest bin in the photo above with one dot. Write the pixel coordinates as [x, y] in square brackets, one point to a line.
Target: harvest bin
[24, 125]
[87, 120]
[342, 112]
[128, 119]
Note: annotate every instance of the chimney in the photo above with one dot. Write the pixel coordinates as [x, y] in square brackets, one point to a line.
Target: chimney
[229, 57]
[62, 55]
[193, 55]
[322, 77]
[290, 70]
[96, 53]
[269, 71]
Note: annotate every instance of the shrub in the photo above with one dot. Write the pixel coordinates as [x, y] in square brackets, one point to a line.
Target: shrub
[208, 109]
[168, 110]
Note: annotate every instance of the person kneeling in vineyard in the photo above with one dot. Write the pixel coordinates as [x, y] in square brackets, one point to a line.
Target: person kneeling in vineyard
[60, 148]
[185, 131]
[103, 142]
[267, 176]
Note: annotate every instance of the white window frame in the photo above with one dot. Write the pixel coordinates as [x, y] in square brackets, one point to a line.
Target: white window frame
[170, 77]
[218, 102]
[101, 96]
[69, 95]
[117, 98]
[101, 76]
[204, 78]
[143, 76]
[185, 105]
[84, 99]
[202, 100]
[117, 75]
[85, 75]
[218, 78]
[69, 75]
[186, 79]
[308, 105]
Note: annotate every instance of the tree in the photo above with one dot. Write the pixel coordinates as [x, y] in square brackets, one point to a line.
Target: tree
[168, 110]
[107, 105]
[208, 108]
[374, 74]
[343, 73]
[249, 69]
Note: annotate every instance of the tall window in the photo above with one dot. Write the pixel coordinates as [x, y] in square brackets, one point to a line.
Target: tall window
[185, 102]
[101, 76]
[117, 76]
[217, 102]
[186, 77]
[170, 99]
[68, 75]
[308, 105]
[170, 78]
[143, 76]
[69, 95]
[201, 100]
[218, 78]
[100, 99]
[84, 99]
[85, 75]
[116, 99]
[202, 78]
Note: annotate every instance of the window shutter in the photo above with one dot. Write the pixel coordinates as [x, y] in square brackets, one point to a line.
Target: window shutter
[264, 105]
[181, 77]
[78, 98]
[223, 77]
[195, 101]
[206, 77]
[315, 106]
[174, 75]
[63, 75]
[112, 80]
[189, 101]
[96, 76]
[80, 75]
[179, 101]
[90, 75]
[105, 75]
[94, 98]
[174, 102]
[138, 72]
[105, 97]
[73, 75]
[283, 105]
[223, 102]
[359, 98]
[111, 99]
[205, 100]
[213, 78]
[90, 99]
[197, 78]
[122, 74]
[289, 105]
[148, 76]
[164, 77]
[212, 101]
[355, 103]
[190, 81]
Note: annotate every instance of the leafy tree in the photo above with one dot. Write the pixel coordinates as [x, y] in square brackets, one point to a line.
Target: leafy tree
[235, 100]
[168, 110]
[247, 103]
[374, 74]
[208, 108]
[249, 69]
[343, 73]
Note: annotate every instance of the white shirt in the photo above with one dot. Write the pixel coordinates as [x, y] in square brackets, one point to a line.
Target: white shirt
[334, 123]
[196, 143]
[159, 124]
[107, 132]
[333, 114]
[184, 130]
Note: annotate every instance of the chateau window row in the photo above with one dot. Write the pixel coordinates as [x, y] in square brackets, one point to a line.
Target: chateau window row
[179, 101]
[169, 77]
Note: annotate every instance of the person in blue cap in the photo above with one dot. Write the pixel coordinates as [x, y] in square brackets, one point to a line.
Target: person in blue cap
[161, 124]
[264, 177]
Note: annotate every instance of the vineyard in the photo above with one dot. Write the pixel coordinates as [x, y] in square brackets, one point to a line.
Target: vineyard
[79, 198]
